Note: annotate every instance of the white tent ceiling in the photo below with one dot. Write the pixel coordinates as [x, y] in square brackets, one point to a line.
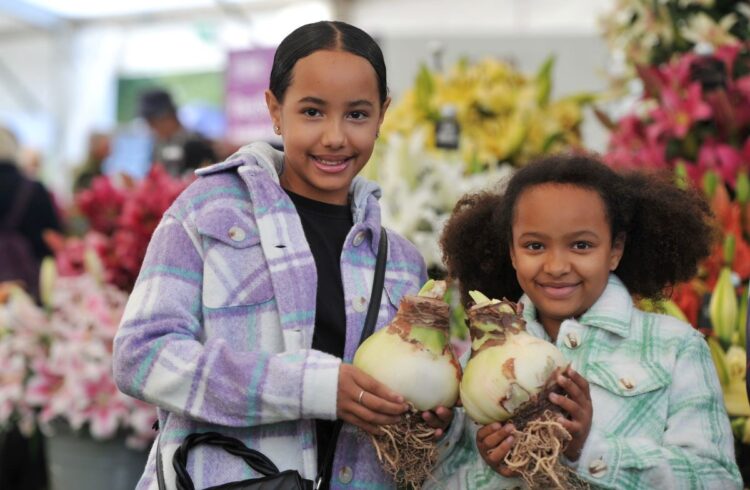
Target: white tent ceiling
[25, 16]
[383, 15]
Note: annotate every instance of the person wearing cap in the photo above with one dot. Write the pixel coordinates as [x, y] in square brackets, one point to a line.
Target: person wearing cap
[178, 149]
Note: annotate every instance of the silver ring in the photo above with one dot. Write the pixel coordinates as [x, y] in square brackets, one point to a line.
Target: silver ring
[361, 394]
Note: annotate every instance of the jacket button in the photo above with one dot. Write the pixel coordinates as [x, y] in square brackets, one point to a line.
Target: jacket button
[627, 383]
[346, 474]
[359, 303]
[571, 340]
[598, 468]
[236, 233]
[358, 239]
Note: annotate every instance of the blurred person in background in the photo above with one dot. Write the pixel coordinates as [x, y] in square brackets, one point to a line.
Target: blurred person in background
[178, 149]
[30, 163]
[100, 147]
[26, 211]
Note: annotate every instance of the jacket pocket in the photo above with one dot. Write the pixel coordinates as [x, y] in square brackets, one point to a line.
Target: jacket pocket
[628, 378]
[235, 272]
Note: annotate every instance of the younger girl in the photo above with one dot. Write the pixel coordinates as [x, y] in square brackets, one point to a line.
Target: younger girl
[257, 282]
[574, 240]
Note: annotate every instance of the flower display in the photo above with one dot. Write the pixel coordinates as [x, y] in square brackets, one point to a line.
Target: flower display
[649, 32]
[121, 220]
[504, 116]
[420, 189]
[56, 360]
[723, 279]
[694, 116]
[688, 64]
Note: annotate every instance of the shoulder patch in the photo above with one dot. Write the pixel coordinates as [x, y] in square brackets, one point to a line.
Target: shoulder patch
[230, 163]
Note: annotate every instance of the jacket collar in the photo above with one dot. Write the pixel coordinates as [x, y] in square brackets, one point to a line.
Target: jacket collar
[611, 312]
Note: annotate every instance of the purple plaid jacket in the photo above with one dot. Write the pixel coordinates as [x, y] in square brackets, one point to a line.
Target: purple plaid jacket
[218, 330]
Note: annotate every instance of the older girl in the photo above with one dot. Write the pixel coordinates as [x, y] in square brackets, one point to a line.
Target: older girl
[257, 281]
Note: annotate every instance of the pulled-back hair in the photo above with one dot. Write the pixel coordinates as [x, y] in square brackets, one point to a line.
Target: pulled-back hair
[324, 35]
[667, 230]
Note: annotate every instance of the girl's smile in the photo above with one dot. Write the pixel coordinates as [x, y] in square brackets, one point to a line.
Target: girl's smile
[562, 250]
[331, 163]
[559, 291]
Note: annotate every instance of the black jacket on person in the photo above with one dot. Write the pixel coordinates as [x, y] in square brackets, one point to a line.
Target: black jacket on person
[40, 213]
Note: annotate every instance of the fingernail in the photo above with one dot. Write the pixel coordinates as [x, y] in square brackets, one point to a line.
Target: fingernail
[554, 396]
[495, 426]
[511, 439]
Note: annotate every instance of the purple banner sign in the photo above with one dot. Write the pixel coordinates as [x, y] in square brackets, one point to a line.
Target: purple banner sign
[246, 81]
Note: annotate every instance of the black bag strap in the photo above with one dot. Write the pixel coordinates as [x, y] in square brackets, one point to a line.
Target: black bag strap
[372, 315]
[255, 459]
[377, 288]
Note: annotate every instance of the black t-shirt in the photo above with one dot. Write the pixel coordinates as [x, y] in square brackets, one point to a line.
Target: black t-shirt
[326, 227]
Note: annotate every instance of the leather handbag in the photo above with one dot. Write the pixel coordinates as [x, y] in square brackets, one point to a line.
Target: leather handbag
[273, 479]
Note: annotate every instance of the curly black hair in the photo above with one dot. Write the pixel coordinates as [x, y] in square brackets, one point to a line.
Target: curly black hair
[667, 230]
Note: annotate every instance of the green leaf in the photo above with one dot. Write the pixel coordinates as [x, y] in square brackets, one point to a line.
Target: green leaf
[681, 175]
[710, 181]
[729, 247]
[544, 81]
[742, 188]
[427, 287]
[582, 98]
[551, 140]
[742, 318]
[717, 354]
[424, 89]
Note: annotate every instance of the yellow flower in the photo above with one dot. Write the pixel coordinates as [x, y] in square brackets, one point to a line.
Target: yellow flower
[504, 115]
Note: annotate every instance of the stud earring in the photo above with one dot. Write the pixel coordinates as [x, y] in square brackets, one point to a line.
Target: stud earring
[277, 129]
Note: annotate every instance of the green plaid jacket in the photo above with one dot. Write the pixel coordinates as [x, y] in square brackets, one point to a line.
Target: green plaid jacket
[659, 419]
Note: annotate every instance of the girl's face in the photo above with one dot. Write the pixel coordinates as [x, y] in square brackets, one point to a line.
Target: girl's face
[328, 120]
[562, 250]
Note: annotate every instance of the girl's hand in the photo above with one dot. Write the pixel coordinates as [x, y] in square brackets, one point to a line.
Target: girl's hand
[578, 405]
[365, 402]
[494, 442]
[439, 419]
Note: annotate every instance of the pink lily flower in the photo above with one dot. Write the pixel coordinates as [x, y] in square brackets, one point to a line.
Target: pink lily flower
[106, 408]
[726, 160]
[677, 114]
[12, 374]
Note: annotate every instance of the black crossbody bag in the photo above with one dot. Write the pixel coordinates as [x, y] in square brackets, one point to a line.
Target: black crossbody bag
[273, 479]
